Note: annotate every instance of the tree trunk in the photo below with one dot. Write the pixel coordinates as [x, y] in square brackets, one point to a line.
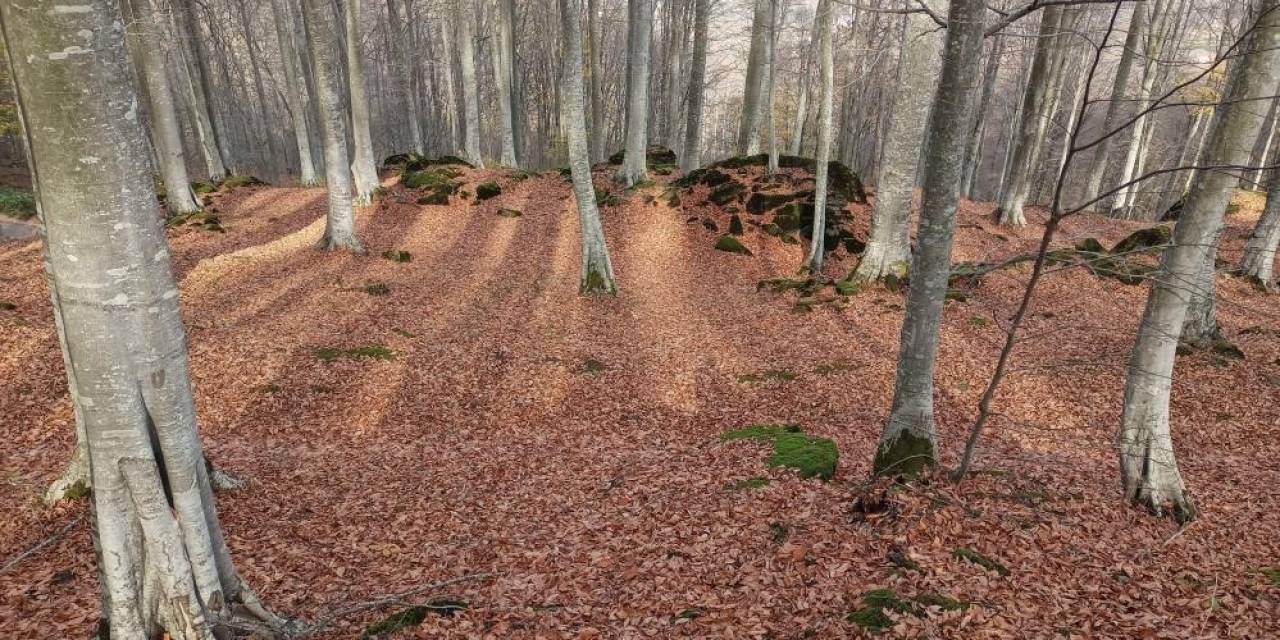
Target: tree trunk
[973, 155]
[640, 32]
[164, 567]
[1102, 154]
[1153, 45]
[339, 231]
[179, 198]
[1036, 112]
[501, 62]
[1259, 258]
[908, 442]
[293, 97]
[826, 71]
[770, 79]
[363, 165]
[802, 97]
[464, 19]
[403, 65]
[594, 58]
[1148, 467]
[597, 269]
[197, 96]
[692, 157]
[748, 127]
[888, 251]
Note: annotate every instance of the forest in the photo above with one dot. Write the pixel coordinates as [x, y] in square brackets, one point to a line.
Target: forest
[595, 319]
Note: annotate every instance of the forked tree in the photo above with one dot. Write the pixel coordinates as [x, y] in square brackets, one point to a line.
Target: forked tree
[692, 157]
[1149, 469]
[909, 443]
[164, 566]
[597, 269]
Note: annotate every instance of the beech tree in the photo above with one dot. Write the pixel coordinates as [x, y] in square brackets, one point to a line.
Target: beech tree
[195, 87]
[404, 74]
[363, 166]
[464, 22]
[164, 567]
[639, 35]
[1259, 257]
[293, 97]
[909, 441]
[753, 89]
[692, 157]
[340, 226]
[597, 269]
[817, 248]
[1149, 469]
[888, 251]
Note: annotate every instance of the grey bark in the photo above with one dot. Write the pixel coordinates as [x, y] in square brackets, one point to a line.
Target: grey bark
[339, 231]
[1260, 251]
[973, 156]
[1038, 101]
[770, 79]
[404, 74]
[293, 98]
[826, 73]
[753, 89]
[908, 442]
[888, 251]
[1149, 469]
[179, 198]
[802, 98]
[363, 166]
[595, 62]
[597, 269]
[675, 71]
[464, 22]
[164, 567]
[640, 32]
[1102, 154]
[499, 56]
[1135, 157]
[194, 88]
[692, 157]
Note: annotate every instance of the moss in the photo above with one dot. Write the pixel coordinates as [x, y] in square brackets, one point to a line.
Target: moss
[726, 193]
[203, 187]
[439, 180]
[946, 603]
[692, 613]
[907, 455]
[509, 213]
[593, 366]
[768, 375]
[606, 199]
[673, 198]
[756, 482]
[488, 190]
[397, 255]
[979, 321]
[870, 618]
[1151, 239]
[77, 491]
[972, 555]
[735, 225]
[832, 368]
[7, 306]
[732, 245]
[367, 352]
[850, 286]
[377, 289]
[594, 283]
[1090, 245]
[435, 198]
[235, 182]
[413, 616]
[810, 456]
[269, 388]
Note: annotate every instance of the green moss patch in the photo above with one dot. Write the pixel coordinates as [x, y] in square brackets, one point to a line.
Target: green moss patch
[7, 306]
[396, 255]
[377, 289]
[810, 456]
[413, 616]
[367, 352]
[235, 182]
[833, 368]
[509, 213]
[876, 602]
[768, 375]
[593, 366]
[972, 555]
[486, 190]
[1272, 574]
[732, 245]
[756, 482]
[202, 219]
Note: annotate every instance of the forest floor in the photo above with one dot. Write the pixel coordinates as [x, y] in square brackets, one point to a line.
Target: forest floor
[565, 452]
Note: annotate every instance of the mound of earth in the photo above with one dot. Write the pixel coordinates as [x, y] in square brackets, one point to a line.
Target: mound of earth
[738, 194]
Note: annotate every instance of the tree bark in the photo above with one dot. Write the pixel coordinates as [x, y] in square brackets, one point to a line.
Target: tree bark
[1153, 45]
[293, 97]
[501, 62]
[339, 231]
[770, 79]
[195, 89]
[888, 251]
[802, 97]
[164, 567]
[826, 71]
[464, 20]
[595, 59]
[597, 269]
[748, 127]
[363, 166]
[404, 73]
[908, 443]
[1149, 469]
[1102, 154]
[692, 157]
[1259, 258]
[973, 155]
[179, 198]
[640, 32]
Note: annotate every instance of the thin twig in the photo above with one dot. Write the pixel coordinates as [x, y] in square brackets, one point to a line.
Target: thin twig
[13, 562]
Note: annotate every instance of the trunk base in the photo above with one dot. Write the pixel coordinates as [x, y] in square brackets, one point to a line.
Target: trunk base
[904, 452]
[879, 263]
[334, 243]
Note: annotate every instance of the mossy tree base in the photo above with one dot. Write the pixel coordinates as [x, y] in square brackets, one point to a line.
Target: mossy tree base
[331, 243]
[905, 454]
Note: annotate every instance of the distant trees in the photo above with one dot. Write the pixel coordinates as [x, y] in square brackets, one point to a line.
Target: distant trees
[639, 34]
[164, 566]
[1149, 469]
[464, 16]
[692, 157]
[363, 167]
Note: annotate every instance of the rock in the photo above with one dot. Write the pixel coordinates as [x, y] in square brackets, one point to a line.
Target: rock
[735, 226]
[761, 203]
[732, 245]
[419, 163]
[710, 224]
[1090, 245]
[437, 198]
[726, 193]
[487, 190]
[656, 156]
[1151, 239]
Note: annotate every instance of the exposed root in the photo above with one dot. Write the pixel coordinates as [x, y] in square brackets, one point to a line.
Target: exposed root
[329, 243]
[221, 480]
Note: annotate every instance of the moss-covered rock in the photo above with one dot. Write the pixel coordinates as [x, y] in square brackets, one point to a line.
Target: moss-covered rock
[1152, 239]
[726, 193]
[235, 182]
[761, 203]
[419, 163]
[656, 156]
[732, 245]
[201, 188]
[1090, 245]
[972, 555]
[486, 190]
[735, 225]
[17, 203]
[396, 255]
[509, 213]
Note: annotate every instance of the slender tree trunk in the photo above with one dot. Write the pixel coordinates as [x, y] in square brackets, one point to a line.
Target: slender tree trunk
[194, 89]
[1265, 154]
[888, 251]
[1148, 467]
[908, 442]
[1153, 45]
[748, 128]
[1115, 108]
[802, 96]
[597, 269]
[266, 140]
[675, 71]
[973, 156]
[464, 17]
[339, 231]
[403, 67]
[826, 71]
[640, 32]
[164, 567]
[1259, 258]
[363, 166]
[692, 157]
[498, 55]
[293, 97]
[595, 59]
[1036, 113]
[771, 78]
[179, 198]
